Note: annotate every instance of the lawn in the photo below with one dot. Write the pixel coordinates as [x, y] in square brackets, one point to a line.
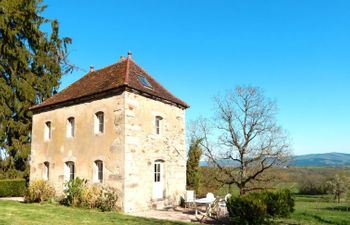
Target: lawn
[20, 213]
[312, 210]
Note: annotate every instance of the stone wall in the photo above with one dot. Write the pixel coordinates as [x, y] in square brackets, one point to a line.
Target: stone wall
[85, 147]
[143, 146]
[128, 147]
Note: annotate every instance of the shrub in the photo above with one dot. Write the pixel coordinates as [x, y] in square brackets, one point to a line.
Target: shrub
[13, 188]
[90, 196]
[260, 207]
[312, 184]
[107, 199]
[279, 203]
[79, 194]
[39, 191]
[73, 192]
[246, 211]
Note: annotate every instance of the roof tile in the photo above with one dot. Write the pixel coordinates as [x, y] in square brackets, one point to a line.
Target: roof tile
[121, 74]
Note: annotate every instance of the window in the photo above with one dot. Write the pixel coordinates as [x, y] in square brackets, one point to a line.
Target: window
[99, 122]
[99, 171]
[144, 81]
[46, 174]
[158, 124]
[48, 130]
[69, 171]
[157, 172]
[71, 127]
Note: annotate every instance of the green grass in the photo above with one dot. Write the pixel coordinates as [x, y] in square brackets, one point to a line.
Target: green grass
[315, 210]
[310, 210]
[20, 213]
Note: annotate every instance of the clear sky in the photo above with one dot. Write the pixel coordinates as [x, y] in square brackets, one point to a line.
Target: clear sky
[298, 51]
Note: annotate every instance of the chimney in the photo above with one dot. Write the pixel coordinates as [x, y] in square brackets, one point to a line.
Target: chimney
[92, 68]
[129, 54]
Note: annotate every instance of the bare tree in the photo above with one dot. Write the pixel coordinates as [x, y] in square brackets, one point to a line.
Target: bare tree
[244, 132]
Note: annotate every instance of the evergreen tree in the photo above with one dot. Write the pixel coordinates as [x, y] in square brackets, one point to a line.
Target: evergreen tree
[192, 172]
[31, 64]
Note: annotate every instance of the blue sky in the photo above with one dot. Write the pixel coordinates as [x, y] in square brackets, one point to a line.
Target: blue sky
[297, 51]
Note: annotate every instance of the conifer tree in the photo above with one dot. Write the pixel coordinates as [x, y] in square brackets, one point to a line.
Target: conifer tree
[31, 64]
[192, 172]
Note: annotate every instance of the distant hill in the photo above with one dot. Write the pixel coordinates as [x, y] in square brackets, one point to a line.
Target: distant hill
[328, 159]
[323, 160]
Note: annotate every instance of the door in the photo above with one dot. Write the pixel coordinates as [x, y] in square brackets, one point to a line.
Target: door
[158, 180]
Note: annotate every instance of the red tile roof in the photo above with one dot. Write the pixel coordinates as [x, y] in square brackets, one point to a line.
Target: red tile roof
[123, 74]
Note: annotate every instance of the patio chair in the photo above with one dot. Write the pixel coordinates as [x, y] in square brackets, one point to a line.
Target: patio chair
[219, 207]
[189, 198]
[210, 202]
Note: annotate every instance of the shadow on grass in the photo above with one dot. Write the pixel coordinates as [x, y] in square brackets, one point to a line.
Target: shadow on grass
[323, 220]
[338, 208]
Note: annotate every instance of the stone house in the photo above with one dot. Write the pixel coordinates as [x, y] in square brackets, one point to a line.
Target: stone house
[116, 126]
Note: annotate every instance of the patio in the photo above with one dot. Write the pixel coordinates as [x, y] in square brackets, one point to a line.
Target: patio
[176, 214]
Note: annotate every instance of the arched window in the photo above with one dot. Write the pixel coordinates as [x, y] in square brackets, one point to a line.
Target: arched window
[99, 122]
[70, 127]
[69, 172]
[158, 124]
[99, 171]
[46, 172]
[48, 130]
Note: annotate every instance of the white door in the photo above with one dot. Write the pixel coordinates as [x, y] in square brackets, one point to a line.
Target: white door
[158, 182]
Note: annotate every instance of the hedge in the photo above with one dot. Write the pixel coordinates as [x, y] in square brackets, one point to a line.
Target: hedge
[260, 207]
[13, 188]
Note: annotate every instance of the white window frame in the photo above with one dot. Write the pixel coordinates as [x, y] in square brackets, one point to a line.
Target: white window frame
[48, 131]
[98, 171]
[99, 125]
[71, 127]
[46, 172]
[69, 170]
[158, 125]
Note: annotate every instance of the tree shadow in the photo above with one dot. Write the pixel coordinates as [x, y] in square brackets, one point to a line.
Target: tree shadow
[338, 208]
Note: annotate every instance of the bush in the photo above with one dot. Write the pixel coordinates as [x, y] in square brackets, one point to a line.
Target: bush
[79, 194]
[13, 188]
[74, 192]
[107, 199]
[312, 184]
[279, 203]
[246, 211]
[39, 191]
[90, 196]
[260, 207]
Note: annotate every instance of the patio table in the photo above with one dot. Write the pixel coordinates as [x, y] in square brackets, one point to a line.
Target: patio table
[204, 201]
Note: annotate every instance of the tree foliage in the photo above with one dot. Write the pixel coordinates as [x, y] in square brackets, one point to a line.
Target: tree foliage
[192, 172]
[247, 136]
[31, 64]
[338, 186]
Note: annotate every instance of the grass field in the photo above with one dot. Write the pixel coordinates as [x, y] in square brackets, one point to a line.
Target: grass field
[16, 213]
[310, 210]
[319, 210]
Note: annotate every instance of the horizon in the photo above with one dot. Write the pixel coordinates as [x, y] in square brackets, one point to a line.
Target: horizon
[298, 58]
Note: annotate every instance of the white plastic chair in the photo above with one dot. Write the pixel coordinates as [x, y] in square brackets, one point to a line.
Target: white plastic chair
[222, 206]
[210, 196]
[189, 198]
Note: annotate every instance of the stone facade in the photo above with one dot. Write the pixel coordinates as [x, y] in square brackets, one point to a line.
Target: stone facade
[128, 147]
